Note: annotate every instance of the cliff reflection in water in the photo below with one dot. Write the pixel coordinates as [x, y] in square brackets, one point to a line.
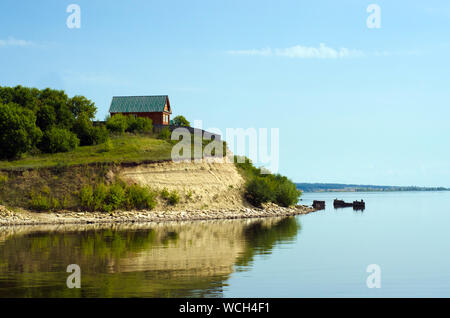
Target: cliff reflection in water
[190, 259]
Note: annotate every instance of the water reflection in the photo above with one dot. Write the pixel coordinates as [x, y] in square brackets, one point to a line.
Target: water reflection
[189, 259]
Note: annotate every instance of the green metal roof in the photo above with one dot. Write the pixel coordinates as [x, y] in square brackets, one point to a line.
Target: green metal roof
[138, 104]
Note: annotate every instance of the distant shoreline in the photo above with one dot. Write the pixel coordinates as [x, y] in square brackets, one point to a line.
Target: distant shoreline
[337, 187]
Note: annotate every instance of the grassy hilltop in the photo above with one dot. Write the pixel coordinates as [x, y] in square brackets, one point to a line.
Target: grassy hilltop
[126, 148]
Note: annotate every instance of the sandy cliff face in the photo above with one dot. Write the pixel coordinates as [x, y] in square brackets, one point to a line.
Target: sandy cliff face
[212, 184]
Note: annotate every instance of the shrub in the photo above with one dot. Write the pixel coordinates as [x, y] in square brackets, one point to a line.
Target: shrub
[58, 140]
[139, 124]
[55, 203]
[174, 198]
[164, 193]
[18, 133]
[116, 196]
[108, 146]
[287, 194]
[3, 179]
[100, 134]
[258, 191]
[140, 198]
[66, 201]
[86, 197]
[117, 123]
[87, 133]
[143, 125]
[261, 188]
[100, 194]
[164, 133]
[40, 202]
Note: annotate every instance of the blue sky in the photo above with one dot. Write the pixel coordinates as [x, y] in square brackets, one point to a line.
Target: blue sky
[371, 106]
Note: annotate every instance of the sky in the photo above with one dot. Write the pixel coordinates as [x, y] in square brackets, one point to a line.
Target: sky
[353, 104]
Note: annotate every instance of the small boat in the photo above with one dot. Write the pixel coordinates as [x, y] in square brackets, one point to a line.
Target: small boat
[356, 205]
[341, 204]
[319, 205]
[359, 205]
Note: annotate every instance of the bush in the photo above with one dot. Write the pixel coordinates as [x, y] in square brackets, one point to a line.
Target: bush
[164, 133]
[116, 196]
[86, 197]
[58, 140]
[258, 191]
[87, 133]
[164, 194]
[287, 194]
[55, 204]
[100, 135]
[3, 179]
[18, 133]
[108, 146]
[174, 198]
[40, 202]
[140, 198]
[117, 123]
[139, 124]
[143, 125]
[100, 194]
[262, 188]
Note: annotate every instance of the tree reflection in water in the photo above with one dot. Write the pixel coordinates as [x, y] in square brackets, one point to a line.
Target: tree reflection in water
[188, 259]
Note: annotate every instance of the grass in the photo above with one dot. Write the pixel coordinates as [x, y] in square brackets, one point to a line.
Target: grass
[126, 148]
[52, 181]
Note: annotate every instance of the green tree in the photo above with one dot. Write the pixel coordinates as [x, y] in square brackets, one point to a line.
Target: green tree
[181, 121]
[18, 133]
[58, 100]
[58, 140]
[81, 105]
[45, 117]
[87, 133]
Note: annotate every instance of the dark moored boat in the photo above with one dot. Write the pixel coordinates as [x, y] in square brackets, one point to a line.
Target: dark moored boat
[319, 205]
[341, 204]
[357, 205]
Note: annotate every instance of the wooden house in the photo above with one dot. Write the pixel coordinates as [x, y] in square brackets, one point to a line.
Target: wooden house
[157, 108]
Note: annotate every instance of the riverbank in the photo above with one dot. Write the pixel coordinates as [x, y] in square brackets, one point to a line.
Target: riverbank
[10, 217]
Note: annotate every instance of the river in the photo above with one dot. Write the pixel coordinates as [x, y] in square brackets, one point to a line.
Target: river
[322, 254]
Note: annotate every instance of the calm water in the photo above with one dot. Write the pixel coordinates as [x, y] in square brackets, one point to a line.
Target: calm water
[323, 254]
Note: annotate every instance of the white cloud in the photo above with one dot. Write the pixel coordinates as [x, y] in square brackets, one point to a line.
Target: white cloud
[303, 52]
[11, 41]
